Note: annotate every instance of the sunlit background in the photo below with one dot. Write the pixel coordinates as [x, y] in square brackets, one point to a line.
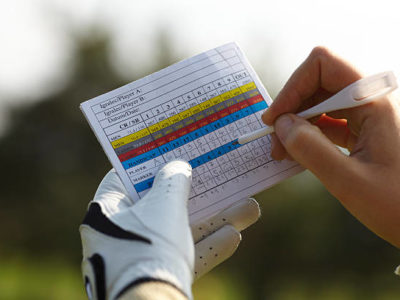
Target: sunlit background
[55, 54]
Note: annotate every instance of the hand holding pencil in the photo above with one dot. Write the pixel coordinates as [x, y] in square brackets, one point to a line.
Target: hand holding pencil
[366, 181]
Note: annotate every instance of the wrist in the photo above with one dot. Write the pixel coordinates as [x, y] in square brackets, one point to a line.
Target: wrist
[149, 290]
[120, 264]
[178, 276]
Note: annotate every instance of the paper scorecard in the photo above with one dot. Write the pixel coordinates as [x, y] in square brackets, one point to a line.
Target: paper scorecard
[193, 110]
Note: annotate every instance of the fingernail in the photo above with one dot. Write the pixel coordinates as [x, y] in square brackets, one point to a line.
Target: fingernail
[264, 116]
[283, 126]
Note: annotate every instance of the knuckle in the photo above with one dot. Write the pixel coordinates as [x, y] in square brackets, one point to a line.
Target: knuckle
[320, 52]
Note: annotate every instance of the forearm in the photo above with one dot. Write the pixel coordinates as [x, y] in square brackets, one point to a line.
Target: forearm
[153, 291]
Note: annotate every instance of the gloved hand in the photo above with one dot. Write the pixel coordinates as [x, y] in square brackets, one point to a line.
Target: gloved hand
[126, 244]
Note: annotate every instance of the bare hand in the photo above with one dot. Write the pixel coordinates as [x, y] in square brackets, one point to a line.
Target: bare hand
[368, 181]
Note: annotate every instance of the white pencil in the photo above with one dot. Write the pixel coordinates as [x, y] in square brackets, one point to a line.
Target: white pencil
[358, 93]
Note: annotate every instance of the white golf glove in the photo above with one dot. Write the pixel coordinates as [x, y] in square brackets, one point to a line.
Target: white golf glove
[125, 244]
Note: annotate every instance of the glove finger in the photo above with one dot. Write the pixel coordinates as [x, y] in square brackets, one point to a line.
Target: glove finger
[112, 195]
[215, 249]
[241, 215]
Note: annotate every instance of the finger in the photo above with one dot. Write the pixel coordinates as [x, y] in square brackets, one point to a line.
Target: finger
[278, 152]
[312, 149]
[322, 69]
[241, 215]
[319, 96]
[337, 131]
[164, 208]
[111, 194]
[215, 249]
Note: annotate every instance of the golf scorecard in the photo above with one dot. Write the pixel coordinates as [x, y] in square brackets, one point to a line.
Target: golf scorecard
[193, 110]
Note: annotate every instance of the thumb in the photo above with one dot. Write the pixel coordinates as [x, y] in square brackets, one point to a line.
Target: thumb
[164, 208]
[313, 150]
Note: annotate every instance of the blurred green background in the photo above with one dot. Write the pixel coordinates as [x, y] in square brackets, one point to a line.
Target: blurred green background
[305, 246]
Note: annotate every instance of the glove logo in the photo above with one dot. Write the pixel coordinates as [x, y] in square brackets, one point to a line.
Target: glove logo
[98, 221]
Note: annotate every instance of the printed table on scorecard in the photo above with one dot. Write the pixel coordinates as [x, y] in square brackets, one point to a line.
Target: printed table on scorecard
[198, 126]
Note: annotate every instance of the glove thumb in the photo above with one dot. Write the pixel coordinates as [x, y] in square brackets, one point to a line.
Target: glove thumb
[313, 150]
[164, 207]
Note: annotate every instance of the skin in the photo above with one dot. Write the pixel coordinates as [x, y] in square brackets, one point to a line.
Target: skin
[367, 182]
